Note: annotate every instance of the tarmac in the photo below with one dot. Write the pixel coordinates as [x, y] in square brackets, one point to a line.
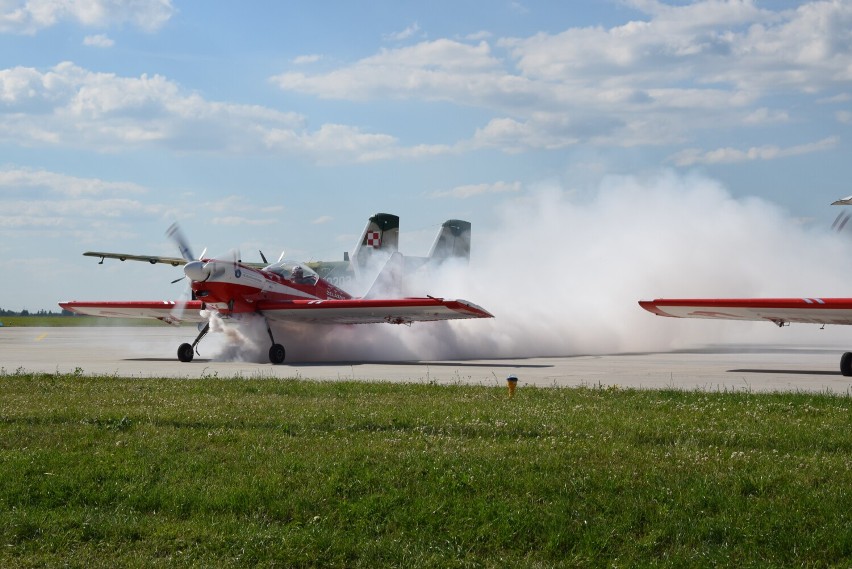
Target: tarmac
[147, 352]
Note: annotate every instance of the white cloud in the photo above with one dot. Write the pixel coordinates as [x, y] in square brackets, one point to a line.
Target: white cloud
[404, 34]
[30, 16]
[322, 219]
[433, 70]
[15, 180]
[69, 105]
[307, 59]
[236, 221]
[472, 190]
[766, 116]
[98, 40]
[234, 203]
[652, 81]
[844, 116]
[729, 155]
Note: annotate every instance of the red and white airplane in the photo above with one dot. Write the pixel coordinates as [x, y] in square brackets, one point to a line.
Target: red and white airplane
[284, 291]
[779, 311]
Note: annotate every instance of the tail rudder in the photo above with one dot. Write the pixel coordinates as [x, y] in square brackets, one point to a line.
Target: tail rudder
[452, 241]
[388, 283]
[379, 240]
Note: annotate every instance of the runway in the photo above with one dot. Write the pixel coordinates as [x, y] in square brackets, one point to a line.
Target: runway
[146, 352]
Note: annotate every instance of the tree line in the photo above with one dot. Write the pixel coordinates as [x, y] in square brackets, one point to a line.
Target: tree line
[41, 312]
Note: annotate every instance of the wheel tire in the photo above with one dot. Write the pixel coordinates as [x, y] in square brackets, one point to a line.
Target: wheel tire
[276, 354]
[185, 352]
[846, 364]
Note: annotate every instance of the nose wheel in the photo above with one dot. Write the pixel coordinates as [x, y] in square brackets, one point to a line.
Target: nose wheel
[186, 351]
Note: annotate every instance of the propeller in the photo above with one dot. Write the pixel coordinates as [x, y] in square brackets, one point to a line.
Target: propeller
[192, 268]
[175, 234]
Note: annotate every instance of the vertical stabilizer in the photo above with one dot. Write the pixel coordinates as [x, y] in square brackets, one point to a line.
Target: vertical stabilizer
[452, 242]
[379, 240]
[388, 283]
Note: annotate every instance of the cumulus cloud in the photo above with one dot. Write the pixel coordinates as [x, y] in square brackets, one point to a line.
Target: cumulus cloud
[33, 199]
[693, 156]
[30, 16]
[306, 59]
[98, 40]
[471, 190]
[16, 180]
[404, 34]
[681, 68]
[70, 105]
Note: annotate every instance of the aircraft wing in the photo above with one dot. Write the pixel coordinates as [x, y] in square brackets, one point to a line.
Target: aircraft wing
[173, 261]
[153, 259]
[777, 310]
[366, 311]
[161, 310]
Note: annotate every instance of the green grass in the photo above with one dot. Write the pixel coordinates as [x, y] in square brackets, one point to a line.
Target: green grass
[66, 321]
[228, 472]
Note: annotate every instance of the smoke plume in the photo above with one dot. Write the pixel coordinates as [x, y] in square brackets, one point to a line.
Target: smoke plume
[562, 274]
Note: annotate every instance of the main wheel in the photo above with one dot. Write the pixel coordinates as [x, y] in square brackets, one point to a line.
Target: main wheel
[276, 354]
[846, 364]
[185, 353]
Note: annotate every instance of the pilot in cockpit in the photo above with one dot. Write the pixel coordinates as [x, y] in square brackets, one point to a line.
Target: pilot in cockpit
[299, 276]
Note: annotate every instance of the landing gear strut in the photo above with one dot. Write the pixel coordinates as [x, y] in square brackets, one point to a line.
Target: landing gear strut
[185, 351]
[846, 364]
[276, 352]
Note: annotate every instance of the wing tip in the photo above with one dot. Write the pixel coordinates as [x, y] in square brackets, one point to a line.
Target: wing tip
[652, 307]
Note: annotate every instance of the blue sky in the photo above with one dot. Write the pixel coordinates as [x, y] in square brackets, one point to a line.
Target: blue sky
[284, 125]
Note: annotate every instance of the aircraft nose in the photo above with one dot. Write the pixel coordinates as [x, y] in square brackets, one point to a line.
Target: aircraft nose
[196, 271]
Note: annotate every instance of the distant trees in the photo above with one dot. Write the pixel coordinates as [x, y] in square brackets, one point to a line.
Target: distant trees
[41, 312]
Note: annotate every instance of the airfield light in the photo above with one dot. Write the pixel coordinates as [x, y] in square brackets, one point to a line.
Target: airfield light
[512, 382]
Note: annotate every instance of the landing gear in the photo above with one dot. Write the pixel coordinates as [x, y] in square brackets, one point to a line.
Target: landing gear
[846, 364]
[276, 352]
[186, 351]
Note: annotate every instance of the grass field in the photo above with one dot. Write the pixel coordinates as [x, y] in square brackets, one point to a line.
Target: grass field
[63, 321]
[107, 472]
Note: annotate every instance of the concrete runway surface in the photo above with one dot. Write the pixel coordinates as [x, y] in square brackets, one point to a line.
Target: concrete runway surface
[151, 352]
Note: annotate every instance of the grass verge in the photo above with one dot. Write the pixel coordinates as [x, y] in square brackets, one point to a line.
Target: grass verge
[226, 472]
[55, 321]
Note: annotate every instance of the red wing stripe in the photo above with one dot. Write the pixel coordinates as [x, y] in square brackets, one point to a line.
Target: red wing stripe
[757, 303]
[777, 310]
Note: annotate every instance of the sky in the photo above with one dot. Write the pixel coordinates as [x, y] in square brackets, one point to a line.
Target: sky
[282, 126]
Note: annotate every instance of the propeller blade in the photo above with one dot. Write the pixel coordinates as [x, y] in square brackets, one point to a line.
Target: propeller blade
[262, 256]
[178, 280]
[176, 235]
[180, 304]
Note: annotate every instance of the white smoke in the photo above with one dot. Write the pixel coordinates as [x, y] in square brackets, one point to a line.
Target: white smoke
[562, 275]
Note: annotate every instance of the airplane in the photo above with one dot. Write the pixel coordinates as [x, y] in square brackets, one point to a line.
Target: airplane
[779, 311]
[284, 291]
[378, 241]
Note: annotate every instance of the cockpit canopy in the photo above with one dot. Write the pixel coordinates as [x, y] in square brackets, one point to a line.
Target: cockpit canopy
[294, 271]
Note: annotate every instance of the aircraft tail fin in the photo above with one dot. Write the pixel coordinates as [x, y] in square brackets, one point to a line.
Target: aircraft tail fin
[452, 242]
[388, 283]
[379, 240]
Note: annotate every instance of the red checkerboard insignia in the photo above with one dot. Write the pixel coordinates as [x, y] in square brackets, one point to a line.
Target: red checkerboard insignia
[374, 239]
